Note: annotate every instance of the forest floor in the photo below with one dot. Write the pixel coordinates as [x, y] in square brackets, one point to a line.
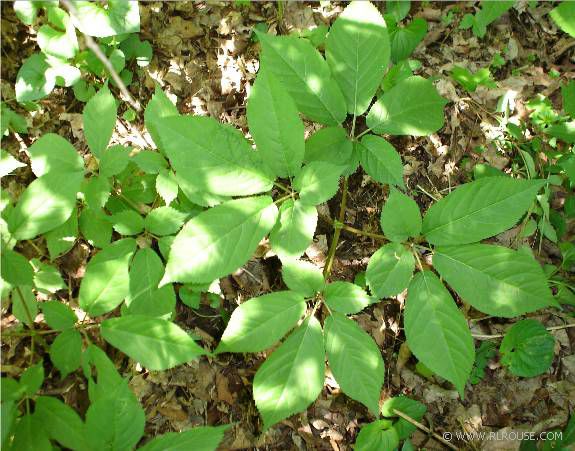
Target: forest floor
[205, 59]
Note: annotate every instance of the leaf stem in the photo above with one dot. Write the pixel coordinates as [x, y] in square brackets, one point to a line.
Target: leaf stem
[351, 229]
[282, 187]
[363, 133]
[336, 234]
[281, 199]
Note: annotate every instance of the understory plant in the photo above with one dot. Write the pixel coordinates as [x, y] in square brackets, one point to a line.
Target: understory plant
[167, 223]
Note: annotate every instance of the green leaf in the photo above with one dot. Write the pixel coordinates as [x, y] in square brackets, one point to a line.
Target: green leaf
[275, 125]
[52, 153]
[377, 436]
[410, 407]
[61, 422]
[302, 277]
[357, 52]
[400, 217]
[399, 72]
[389, 270]
[380, 160]
[95, 227]
[489, 12]
[437, 331]
[219, 240]
[26, 11]
[8, 163]
[127, 222]
[155, 343]
[47, 279]
[470, 81]
[16, 269]
[115, 420]
[305, 75]
[30, 435]
[118, 17]
[355, 360]
[345, 297]
[294, 231]
[8, 413]
[479, 209]
[568, 95]
[565, 131]
[45, 204]
[164, 221]
[399, 9]
[167, 186]
[114, 160]
[411, 107]
[106, 282]
[32, 379]
[99, 118]
[66, 351]
[145, 298]
[292, 377]
[564, 15]
[160, 106]
[58, 316]
[317, 182]
[61, 239]
[495, 280]
[96, 191]
[404, 40]
[59, 43]
[141, 51]
[34, 80]
[259, 323]
[150, 162]
[24, 305]
[527, 348]
[330, 145]
[204, 438]
[211, 157]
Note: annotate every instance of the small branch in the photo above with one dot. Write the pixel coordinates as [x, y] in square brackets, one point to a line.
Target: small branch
[93, 45]
[424, 428]
[335, 239]
[492, 337]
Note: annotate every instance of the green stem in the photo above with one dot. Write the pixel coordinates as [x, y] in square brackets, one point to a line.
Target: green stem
[281, 199]
[335, 239]
[363, 133]
[352, 132]
[282, 187]
[351, 229]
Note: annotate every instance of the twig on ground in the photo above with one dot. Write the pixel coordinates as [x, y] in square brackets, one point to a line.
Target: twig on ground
[424, 428]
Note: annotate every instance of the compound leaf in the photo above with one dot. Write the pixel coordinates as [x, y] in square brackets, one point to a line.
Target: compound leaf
[118, 17]
[436, 330]
[317, 182]
[219, 240]
[294, 231]
[66, 351]
[61, 422]
[400, 217]
[155, 343]
[494, 279]
[275, 125]
[52, 153]
[346, 297]
[411, 107]
[259, 323]
[302, 277]
[527, 348]
[389, 270]
[144, 296]
[292, 377]
[380, 160]
[479, 209]
[329, 144]
[46, 204]
[355, 360]
[357, 52]
[211, 157]
[99, 118]
[106, 282]
[305, 75]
